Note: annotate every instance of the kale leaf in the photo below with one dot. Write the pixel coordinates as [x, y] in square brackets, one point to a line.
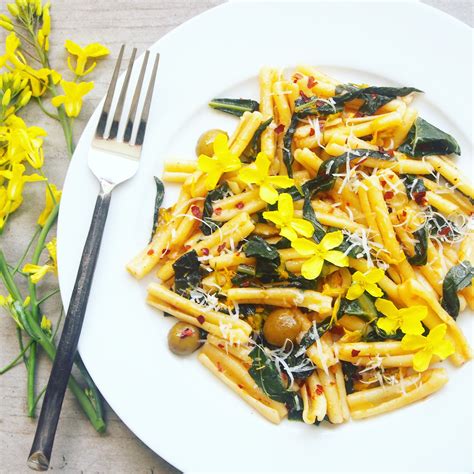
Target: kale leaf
[457, 278]
[159, 196]
[187, 273]
[235, 107]
[208, 226]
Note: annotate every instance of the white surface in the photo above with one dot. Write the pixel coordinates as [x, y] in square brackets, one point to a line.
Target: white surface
[179, 409]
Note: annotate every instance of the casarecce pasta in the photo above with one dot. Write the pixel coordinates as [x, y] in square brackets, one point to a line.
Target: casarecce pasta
[319, 254]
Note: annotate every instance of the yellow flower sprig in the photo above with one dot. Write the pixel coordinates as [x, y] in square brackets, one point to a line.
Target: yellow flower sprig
[222, 161]
[406, 319]
[319, 253]
[290, 226]
[83, 55]
[257, 173]
[434, 344]
[72, 97]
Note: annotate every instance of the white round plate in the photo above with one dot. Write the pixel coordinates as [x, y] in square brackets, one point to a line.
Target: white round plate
[174, 404]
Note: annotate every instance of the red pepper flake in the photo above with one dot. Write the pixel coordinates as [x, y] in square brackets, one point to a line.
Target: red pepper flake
[444, 231]
[221, 247]
[217, 211]
[311, 82]
[150, 252]
[219, 367]
[186, 333]
[221, 346]
[205, 251]
[348, 204]
[320, 103]
[196, 211]
[319, 389]
[165, 252]
[245, 284]
[404, 213]
[355, 352]
[312, 131]
[383, 183]
[201, 319]
[381, 149]
[240, 205]
[240, 386]
[187, 247]
[280, 128]
[390, 152]
[338, 330]
[419, 197]
[304, 97]
[297, 76]
[388, 195]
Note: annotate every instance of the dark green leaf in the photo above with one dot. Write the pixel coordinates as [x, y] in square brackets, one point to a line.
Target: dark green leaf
[310, 215]
[375, 97]
[267, 377]
[253, 148]
[234, 106]
[283, 243]
[300, 366]
[421, 246]
[159, 196]
[426, 139]
[187, 273]
[287, 143]
[415, 188]
[376, 334]
[312, 335]
[209, 226]
[295, 409]
[260, 248]
[363, 307]
[457, 278]
[350, 375]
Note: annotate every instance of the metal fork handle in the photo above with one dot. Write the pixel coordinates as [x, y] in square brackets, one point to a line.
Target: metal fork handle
[40, 453]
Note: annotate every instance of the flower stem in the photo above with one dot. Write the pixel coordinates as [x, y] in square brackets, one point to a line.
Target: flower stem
[16, 360]
[47, 112]
[30, 380]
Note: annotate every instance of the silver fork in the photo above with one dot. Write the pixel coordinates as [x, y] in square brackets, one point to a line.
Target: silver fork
[112, 161]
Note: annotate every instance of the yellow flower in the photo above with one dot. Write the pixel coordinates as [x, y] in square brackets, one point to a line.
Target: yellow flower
[222, 161]
[13, 9]
[427, 347]
[16, 181]
[6, 23]
[37, 272]
[72, 99]
[257, 173]
[407, 319]
[53, 196]
[46, 324]
[93, 50]
[12, 43]
[6, 300]
[53, 254]
[319, 253]
[290, 226]
[45, 30]
[39, 79]
[365, 282]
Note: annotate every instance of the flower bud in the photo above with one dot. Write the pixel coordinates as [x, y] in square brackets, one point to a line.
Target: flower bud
[13, 9]
[6, 25]
[25, 98]
[7, 95]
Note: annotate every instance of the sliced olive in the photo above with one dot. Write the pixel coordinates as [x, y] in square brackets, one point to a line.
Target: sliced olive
[183, 339]
[281, 325]
[205, 144]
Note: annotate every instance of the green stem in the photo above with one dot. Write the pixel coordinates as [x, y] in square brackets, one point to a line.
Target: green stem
[15, 361]
[30, 379]
[38, 398]
[49, 295]
[50, 349]
[25, 253]
[47, 112]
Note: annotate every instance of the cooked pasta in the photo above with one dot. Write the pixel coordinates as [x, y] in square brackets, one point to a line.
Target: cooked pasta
[320, 253]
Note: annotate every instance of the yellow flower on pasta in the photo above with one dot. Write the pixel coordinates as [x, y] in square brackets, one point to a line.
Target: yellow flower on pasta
[91, 51]
[318, 253]
[72, 98]
[434, 344]
[53, 196]
[406, 319]
[367, 281]
[222, 161]
[290, 226]
[257, 173]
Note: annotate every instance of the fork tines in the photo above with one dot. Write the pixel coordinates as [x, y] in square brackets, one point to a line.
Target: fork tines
[110, 133]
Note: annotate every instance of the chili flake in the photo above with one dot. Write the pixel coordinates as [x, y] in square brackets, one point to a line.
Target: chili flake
[221, 247]
[217, 211]
[150, 252]
[201, 319]
[388, 195]
[196, 211]
[240, 205]
[312, 131]
[186, 333]
[355, 352]
[280, 128]
[205, 251]
[319, 389]
[311, 82]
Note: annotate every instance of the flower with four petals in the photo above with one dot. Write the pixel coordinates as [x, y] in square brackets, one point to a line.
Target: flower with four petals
[72, 98]
[367, 281]
[406, 319]
[91, 51]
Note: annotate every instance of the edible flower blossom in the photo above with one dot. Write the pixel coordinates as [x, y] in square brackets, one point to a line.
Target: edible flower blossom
[362, 282]
[257, 173]
[319, 253]
[37, 272]
[46, 324]
[222, 161]
[434, 344]
[406, 319]
[72, 98]
[12, 55]
[290, 226]
[91, 51]
[53, 196]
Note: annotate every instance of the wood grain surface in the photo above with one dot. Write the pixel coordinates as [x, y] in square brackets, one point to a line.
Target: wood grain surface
[112, 22]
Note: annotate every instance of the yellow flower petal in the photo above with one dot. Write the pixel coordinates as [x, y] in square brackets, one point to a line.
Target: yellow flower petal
[212, 179]
[410, 319]
[374, 275]
[332, 240]
[354, 291]
[273, 216]
[268, 193]
[437, 334]
[220, 144]
[250, 175]
[421, 360]
[281, 181]
[304, 247]
[373, 289]
[387, 308]
[388, 325]
[311, 269]
[302, 227]
[444, 349]
[412, 342]
[288, 233]
[285, 207]
[262, 164]
[337, 258]
[206, 163]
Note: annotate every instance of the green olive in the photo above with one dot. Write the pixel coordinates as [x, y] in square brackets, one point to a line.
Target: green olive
[205, 144]
[183, 339]
[281, 325]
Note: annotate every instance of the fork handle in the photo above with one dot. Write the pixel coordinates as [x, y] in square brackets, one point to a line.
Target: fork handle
[40, 453]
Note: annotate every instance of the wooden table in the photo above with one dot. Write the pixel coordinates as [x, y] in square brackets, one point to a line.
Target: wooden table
[112, 22]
